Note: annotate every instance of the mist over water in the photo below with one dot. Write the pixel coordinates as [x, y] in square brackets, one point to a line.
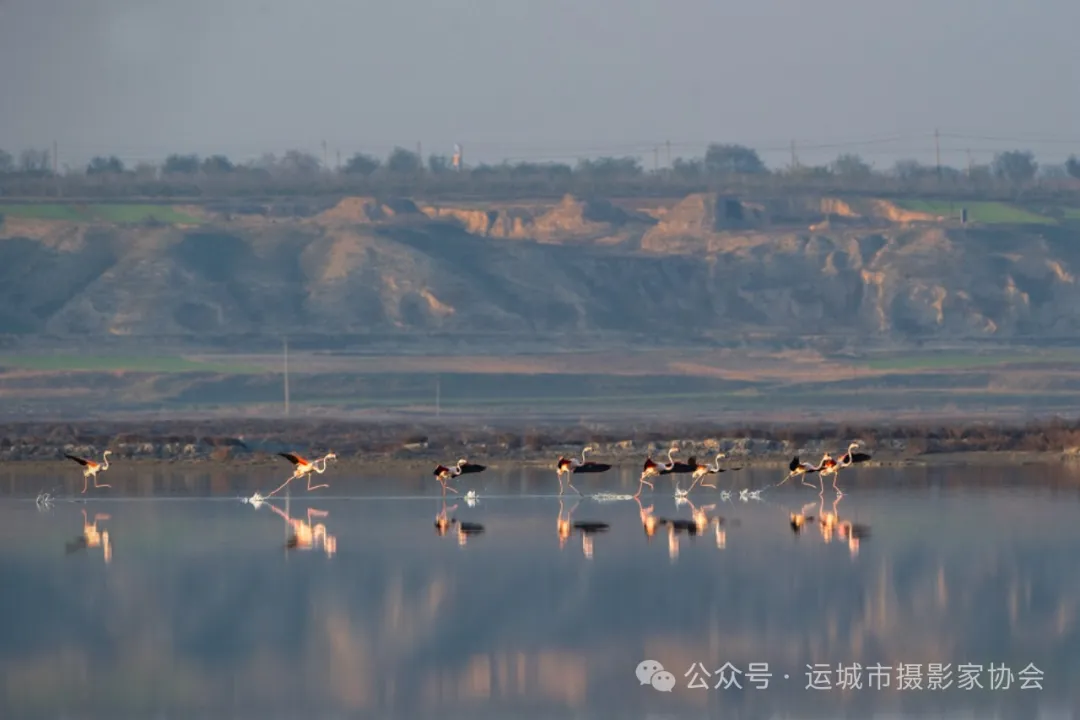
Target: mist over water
[183, 601]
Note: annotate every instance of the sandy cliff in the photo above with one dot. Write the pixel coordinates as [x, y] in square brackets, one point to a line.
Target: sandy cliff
[701, 264]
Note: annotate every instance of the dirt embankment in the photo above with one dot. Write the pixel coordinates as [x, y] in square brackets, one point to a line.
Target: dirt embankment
[250, 441]
[704, 264]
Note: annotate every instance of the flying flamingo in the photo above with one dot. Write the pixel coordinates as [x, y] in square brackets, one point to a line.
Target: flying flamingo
[700, 471]
[654, 469]
[573, 465]
[804, 468]
[463, 467]
[303, 467]
[92, 468]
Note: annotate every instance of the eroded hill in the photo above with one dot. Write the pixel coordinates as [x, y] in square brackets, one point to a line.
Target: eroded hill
[702, 265]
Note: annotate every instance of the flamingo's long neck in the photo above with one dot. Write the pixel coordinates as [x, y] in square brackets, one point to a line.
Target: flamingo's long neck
[670, 461]
[105, 461]
[716, 463]
[583, 451]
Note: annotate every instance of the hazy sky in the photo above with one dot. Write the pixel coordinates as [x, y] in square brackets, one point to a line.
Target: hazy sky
[540, 79]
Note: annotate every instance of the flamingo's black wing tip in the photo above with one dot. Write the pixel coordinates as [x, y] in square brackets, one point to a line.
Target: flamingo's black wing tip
[794, 464]
[860, 457]
[472, 468]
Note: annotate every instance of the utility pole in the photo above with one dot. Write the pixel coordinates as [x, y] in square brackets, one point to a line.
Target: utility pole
[56, 168]
[668, 146]
[656, 158]
[286, 377]
[937, 152]
[339, 161]
[794, 156]
[969, 162]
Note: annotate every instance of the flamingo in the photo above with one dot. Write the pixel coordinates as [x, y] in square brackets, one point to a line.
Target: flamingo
[573, 465]
[463, 467]
[700, 471]
[92, 468]
[654, 469]
[302, 467]
[847, 460]
[803, 468]
[829, 466]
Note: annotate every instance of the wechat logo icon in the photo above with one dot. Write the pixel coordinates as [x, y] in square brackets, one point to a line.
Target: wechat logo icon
[650, 672]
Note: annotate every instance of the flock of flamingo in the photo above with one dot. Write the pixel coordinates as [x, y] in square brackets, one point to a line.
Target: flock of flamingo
[568, 466]
[306, 535]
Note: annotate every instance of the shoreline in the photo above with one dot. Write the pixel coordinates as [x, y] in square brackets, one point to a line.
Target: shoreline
[373, 445]
[383, 465]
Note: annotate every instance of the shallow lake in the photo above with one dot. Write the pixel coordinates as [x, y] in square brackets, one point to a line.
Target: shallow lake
[182, 601]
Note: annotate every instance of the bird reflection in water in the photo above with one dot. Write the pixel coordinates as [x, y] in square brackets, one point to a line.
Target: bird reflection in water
[799, 519]
[587, 528]
[830, 523]
[304, 535]
[464, 529]
[92, 537]
[702, 521]
[648, 520]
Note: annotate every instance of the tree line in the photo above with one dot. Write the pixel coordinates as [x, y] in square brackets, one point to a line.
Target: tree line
[729, 167]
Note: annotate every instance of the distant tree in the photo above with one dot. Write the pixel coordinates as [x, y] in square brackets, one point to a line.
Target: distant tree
[811, 172]
[851, 167]
[146, 171]
[360, 164]
[267, 163]
[34, 161]
[610, 168]
[688, 170]
[438, 164]
[907, 170]
[981, 175]
[7, 162]
[550, 172]
[111, 165]
[217, 165]
[1016, 166]
[483, 171]
[1053, 172]
[733, 160]
[404, 162]
[298, 162]
[1072, 166]
[181, 165]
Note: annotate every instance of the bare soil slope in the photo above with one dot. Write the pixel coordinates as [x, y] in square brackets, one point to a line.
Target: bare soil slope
[703, 265]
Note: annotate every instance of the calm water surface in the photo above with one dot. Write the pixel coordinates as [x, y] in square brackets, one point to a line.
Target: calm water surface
[348, 602]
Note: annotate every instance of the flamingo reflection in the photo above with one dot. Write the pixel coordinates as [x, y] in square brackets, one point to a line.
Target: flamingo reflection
[464, 529]
[846, 530]
[587, 528]
[648, 520]
[92, 537]
[306, 536]
[702, 521]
